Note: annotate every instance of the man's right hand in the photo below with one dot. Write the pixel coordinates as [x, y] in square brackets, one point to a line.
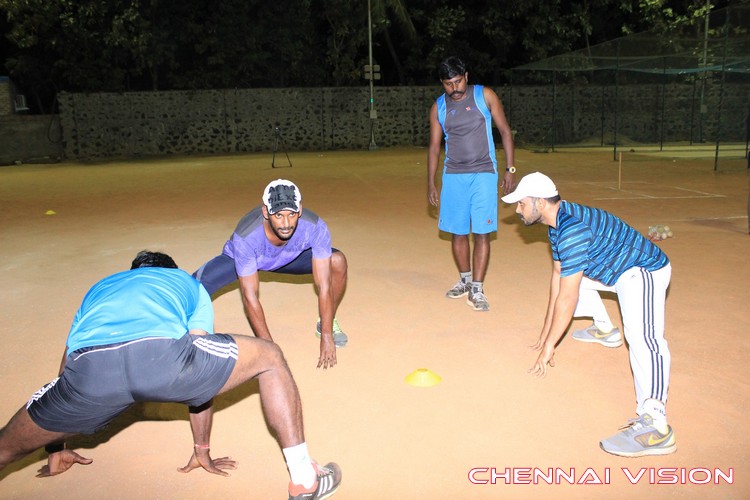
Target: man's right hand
[59, 462]
[202, 458]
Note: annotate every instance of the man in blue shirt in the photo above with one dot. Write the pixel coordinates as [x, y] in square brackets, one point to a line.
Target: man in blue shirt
[146, 335]
[595, 251]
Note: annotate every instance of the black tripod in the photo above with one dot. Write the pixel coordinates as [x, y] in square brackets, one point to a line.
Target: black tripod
[276, 148]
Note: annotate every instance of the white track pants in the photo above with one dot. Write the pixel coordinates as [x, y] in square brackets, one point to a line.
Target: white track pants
[642, 296]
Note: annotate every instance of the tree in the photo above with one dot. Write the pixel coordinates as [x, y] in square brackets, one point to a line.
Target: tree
[381, 21]
[116, 45]
[345, 36]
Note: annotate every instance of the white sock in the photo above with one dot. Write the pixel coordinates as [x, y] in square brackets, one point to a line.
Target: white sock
[465, 277]
[604, 326]
[477, 286]
[657, 412]
[300, 466]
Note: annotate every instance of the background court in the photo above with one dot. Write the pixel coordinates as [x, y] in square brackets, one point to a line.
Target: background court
[391, 439]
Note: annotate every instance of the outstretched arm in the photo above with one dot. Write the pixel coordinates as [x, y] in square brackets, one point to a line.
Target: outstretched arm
[562, 312]
[250, 290]
[201, 420]
[554, 290]
[323, 278]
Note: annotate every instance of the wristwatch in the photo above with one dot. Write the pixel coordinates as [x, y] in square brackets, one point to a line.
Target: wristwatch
[511, 169]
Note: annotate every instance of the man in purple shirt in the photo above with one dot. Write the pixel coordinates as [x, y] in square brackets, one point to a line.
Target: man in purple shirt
[279, 237]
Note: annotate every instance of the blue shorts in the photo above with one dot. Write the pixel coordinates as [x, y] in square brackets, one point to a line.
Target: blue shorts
[99, 383]
[468, 203]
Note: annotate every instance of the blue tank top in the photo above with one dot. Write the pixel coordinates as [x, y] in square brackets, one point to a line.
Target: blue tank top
[467, 125]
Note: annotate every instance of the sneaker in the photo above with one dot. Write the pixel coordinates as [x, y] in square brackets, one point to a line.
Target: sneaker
[329, 479]
[339, 337]
[593, 334]
[640, 438]
[459, 290]
[478, 301]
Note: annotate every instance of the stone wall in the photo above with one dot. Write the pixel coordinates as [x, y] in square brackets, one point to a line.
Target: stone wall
[30, 138]
[6, 97]
[240, 120]
[245, 120]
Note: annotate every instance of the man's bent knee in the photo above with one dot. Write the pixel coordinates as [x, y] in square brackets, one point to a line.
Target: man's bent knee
[255, 356]
[338, 261]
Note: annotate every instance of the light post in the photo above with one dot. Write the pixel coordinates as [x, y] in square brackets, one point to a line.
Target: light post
[370, 71]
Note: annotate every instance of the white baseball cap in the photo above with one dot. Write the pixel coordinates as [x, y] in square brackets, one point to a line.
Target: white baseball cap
[536, 185]
[281, 194]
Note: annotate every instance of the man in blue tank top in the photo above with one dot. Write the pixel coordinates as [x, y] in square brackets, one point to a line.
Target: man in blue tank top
[593, 251]
[463, 116]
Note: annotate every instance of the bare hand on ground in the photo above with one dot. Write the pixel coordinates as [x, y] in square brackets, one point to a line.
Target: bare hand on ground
[327, 357]
[546, 357]
[214, 466]
[59, 462]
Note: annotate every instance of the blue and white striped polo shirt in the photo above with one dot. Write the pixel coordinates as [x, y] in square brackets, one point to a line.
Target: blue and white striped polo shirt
[599, 244]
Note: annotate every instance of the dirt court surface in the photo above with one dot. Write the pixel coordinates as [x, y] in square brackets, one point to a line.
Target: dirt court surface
[392, 440]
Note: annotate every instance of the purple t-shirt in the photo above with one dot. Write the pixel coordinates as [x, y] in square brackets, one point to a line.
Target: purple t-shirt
[251, 251]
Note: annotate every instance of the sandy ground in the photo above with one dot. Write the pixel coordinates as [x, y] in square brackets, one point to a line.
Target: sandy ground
[393, 440]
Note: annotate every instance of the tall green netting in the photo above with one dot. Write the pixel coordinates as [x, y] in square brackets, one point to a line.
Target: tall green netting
[685, 89]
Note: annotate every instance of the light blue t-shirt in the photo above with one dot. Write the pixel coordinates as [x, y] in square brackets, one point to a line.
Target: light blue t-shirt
[599, 244]
[144, 302]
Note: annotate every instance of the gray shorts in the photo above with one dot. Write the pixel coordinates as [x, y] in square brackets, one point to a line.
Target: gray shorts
[101, 382]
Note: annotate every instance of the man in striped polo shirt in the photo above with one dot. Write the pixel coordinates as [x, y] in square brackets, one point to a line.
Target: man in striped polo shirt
[595, 251]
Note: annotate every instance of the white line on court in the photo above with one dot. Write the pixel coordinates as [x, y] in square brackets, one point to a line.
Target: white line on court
[643, 196]
[696, 219]
[648, 197]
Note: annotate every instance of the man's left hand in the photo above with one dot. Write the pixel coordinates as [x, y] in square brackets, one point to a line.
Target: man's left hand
[546, 357]
[327, 357]
[202, 458]
[60, 461]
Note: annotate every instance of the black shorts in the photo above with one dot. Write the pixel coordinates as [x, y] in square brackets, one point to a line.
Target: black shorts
[302, 264]
[99, 383]
[220, 271]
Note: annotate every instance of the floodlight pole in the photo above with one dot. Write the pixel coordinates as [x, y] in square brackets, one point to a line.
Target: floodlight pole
[373, 113]
[701, 109]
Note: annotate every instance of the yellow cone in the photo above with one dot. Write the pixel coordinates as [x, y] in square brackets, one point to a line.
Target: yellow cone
[422, 377]
[50, 212]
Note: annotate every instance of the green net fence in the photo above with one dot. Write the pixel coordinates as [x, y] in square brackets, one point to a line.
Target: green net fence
[689, 88]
